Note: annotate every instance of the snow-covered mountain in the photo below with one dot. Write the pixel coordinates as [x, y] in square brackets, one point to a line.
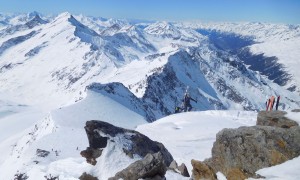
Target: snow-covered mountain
[60, 57]
[59, 71]
[273, 49]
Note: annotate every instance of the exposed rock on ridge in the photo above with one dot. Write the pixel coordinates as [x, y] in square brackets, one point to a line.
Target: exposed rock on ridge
[274, 118]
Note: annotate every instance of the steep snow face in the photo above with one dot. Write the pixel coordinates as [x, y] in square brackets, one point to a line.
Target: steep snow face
[52, 58]
[120, 94]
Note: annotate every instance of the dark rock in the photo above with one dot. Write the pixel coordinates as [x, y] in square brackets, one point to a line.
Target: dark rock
[274, 118]
[42, 153]
[86, 176]
[183, 170]
[157, 177]
[151, 167]
[241, 152]
[142, 145]
[296, 110]
[139, 144]
[20, 176]
[50, 177]
[202, 171]
[95, 140]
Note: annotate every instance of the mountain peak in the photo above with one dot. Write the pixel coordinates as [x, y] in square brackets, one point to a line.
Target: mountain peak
[37, 20]
[163, 29]
[33, 14]
[64, 15]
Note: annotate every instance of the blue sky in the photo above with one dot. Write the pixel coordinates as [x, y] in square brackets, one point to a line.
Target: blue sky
[275, 11]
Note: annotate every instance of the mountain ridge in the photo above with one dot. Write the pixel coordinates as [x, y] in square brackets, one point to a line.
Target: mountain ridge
[92, 57]
[57, 75]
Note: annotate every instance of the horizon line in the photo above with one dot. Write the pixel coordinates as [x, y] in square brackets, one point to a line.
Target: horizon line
[149, 20]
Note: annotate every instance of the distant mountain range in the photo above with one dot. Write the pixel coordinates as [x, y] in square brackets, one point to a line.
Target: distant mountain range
[51, 59]
[58, 72]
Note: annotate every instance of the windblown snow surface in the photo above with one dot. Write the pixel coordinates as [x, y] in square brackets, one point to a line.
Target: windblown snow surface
[186, 135]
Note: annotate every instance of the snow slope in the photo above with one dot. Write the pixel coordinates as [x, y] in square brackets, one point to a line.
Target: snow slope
[62, 134]
[186, 135]
[191, 135]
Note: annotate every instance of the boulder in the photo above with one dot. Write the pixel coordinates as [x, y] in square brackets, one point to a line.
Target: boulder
[202, 171]
[42, 153]
[241, 152]
[275, 118]
[183, 170]
[100, 132]
[151, 167]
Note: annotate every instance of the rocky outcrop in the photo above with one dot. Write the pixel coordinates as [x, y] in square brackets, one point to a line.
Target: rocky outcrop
[202, 171]
[249, 149]
[239, 153]
[151, 167]
[91, 154]
[182, 169]
[99, 133]
[274, 118]
[42, 153]
[86, 176]
[20, 176]
[155, 157]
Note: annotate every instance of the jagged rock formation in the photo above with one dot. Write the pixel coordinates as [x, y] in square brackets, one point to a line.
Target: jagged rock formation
[20, 176]
[42, 153]
[239, 153]
[99, 133]
[155, 157]
[182, 169]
